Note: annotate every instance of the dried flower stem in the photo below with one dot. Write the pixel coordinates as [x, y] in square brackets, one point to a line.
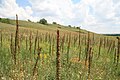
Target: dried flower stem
[87, 50]
[115, 55]
[34, 69]
[1, 39]
[63, 40]
[11, 46]
[118, 52]
[30, 39]
[100, 45]
[58, 58]
[79, 46]
[90, 60]
[68, 48]
[16, 39]
[36, 38]
[26, 43]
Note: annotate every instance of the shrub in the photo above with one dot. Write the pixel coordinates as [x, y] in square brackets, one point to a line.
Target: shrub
[29, 20]
[5, 20]
[78, 27]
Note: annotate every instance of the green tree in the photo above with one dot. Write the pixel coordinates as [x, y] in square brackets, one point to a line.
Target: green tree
[69, 26]
[54, 23]
[78, 27]
[43, 21]
[29, 20]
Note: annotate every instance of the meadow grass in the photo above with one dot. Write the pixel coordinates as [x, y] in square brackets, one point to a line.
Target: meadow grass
[102, 67]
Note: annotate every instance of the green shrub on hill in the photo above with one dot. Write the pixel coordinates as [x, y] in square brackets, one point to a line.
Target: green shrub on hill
[69, 26]
[5, 20]
[54, 23]
[43, 21]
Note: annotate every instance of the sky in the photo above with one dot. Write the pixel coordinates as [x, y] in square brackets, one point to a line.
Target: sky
[99, 16]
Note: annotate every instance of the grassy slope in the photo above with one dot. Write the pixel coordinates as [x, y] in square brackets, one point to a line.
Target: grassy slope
[26, 27]
[101, 69]
[40, 27]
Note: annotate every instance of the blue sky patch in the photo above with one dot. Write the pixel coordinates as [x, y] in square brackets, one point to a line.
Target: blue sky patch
[23, 3]
[76, 1]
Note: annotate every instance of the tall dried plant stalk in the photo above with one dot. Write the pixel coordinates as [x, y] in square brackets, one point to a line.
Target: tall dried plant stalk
[107, 42]
[118, 51]
[58, 58]
[36, 38]
[90, 61]
[11, 46]
[36, 63]
[115, 55]
[100, 45]
[16, 39]
[1, 38]
[79, 53]
[104, 42]
[67, 38]
[75, 40]
[85, 40]
[68, 48]
[79, 45]
[19, 42]
[113, 46]
[26, 43]
[50, 44]
[63, 40]
[87, 50]
[30, 43]
[79, 39]
[109, 47]
[53, 45]
[93, 38]
[46, 38]
[38, 42]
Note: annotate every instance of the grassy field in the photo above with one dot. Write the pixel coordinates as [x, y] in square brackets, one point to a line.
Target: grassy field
[83, 55]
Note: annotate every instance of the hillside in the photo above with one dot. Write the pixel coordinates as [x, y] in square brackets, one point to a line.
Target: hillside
[36, 52]
[40, 27]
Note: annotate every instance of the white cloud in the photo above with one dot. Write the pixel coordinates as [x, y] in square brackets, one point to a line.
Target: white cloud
[9, 8]
[101, 16]
[60, 10]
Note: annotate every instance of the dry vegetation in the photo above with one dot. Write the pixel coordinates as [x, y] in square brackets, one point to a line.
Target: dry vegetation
[48, 53]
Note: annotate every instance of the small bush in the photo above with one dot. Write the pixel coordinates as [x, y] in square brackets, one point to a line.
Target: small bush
[78, 27]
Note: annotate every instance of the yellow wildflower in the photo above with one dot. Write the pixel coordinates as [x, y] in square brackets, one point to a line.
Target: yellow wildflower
[43, 56]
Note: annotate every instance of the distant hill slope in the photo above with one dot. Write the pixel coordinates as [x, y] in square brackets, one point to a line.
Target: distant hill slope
[38, 26]
[111, 34]
[8, 24]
